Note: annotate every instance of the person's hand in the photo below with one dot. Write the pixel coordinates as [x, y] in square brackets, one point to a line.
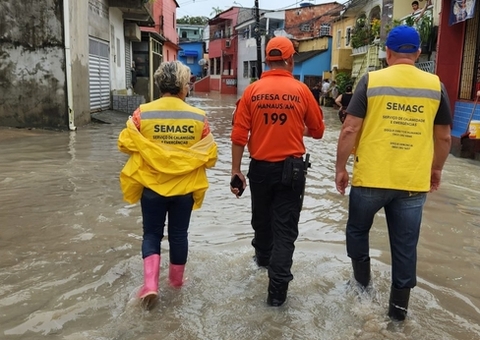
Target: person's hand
[341, 180]
[435, 178]
[236, 191]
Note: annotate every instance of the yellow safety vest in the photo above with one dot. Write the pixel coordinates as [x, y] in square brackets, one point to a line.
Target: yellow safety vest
[395, 145]
[171, 121]
[169, 155]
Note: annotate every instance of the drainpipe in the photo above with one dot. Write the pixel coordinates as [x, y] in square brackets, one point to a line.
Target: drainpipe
[68, 65]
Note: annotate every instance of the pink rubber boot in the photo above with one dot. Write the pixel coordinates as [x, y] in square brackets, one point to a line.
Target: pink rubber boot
[151, 270]
[175, 275]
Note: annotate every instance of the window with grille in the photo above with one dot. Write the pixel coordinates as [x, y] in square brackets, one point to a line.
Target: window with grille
[245, 69]
[305, 28]
[348, 36]
[324, 30]
[253, 69]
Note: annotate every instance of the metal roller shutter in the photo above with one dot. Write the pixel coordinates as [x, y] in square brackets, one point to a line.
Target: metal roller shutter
[99, 75]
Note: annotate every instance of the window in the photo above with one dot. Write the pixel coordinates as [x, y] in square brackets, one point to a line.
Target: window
[184, 35]
[119, 54]
[190, 60]
[253, 69]
[195, 32]
[305, 28]
[348, 36]
[324, 30]
[339, 38]
[217, 66]
[245, 69]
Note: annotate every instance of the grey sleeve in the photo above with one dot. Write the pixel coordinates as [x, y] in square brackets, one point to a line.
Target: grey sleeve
[358, 104]
[444, 114]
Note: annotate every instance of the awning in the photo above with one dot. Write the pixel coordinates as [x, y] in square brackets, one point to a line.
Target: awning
[189, 53]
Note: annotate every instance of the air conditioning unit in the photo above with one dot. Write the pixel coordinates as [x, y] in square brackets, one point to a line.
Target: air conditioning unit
[227, 43]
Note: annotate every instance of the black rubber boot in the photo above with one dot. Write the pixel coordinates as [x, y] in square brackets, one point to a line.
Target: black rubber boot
[261, 261]
[361, 272]
[277, 293]
[398, 304]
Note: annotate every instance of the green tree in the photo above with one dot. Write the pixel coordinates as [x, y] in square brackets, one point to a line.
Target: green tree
[215, 11]
[343, 79]
[201, 20]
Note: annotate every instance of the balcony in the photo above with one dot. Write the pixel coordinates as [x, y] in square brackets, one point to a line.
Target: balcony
[360, 50]
[225, 46]
[425, 27]
[139, 11]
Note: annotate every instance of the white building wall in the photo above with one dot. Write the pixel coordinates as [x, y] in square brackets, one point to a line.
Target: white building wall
[117, 50]
[206, 37]
[247, 52]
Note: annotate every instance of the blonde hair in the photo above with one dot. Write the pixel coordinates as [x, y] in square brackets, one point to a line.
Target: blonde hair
[172, 77]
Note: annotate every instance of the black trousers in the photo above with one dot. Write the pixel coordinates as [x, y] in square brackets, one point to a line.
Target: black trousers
[275, 214]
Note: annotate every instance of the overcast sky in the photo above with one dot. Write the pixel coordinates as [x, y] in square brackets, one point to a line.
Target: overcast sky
[195, 8]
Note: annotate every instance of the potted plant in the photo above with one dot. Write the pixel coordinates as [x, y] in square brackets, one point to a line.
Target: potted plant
[360, 37]
[425, 27]
[375, 28]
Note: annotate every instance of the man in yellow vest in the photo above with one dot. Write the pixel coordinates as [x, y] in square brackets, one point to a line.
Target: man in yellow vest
[399, 122]
[170, 147]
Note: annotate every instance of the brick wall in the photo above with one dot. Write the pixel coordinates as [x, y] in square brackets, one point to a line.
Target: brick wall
[297, 19]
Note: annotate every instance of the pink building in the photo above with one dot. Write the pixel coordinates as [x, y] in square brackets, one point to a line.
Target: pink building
[159, 43]
[222, 51]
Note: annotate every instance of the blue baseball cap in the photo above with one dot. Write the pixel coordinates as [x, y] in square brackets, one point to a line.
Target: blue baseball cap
[403, 39]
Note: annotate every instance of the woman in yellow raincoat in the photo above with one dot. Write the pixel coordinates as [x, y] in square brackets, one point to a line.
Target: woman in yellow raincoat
[170, 147]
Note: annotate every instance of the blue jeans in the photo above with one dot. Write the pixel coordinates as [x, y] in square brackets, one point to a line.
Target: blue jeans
[154, 212]
[403, 210]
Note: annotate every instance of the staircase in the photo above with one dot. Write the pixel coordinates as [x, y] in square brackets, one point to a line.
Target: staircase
[365, 61]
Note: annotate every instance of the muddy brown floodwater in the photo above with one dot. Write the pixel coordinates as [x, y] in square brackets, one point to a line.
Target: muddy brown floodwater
[70, 250]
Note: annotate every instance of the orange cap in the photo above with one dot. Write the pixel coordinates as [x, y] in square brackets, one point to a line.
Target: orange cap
[282, 44]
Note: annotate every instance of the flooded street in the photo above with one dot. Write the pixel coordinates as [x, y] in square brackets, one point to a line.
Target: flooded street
[70, 260]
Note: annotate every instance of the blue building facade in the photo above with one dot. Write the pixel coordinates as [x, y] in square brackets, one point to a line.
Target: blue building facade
[192, 48]
[313, 63]
[190, 54]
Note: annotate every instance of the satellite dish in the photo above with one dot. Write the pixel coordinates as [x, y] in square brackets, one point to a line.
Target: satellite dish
[202, 62]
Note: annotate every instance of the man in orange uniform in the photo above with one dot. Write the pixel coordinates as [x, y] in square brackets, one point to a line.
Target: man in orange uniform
[272, 117]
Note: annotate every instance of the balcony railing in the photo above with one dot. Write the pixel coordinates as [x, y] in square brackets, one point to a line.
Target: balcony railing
[424, 25]
[414, 18]
[360, 50]
[427, 66]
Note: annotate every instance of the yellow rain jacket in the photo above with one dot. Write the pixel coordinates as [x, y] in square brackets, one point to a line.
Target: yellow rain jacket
[166, 169]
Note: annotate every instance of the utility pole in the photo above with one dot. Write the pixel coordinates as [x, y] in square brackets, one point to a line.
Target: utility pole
[258, 38]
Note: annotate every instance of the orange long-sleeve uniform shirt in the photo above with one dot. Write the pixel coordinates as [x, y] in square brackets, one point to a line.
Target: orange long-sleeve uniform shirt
[272, 115]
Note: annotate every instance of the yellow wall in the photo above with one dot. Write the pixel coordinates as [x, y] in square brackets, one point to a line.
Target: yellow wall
[341, 54]
[313, 44]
